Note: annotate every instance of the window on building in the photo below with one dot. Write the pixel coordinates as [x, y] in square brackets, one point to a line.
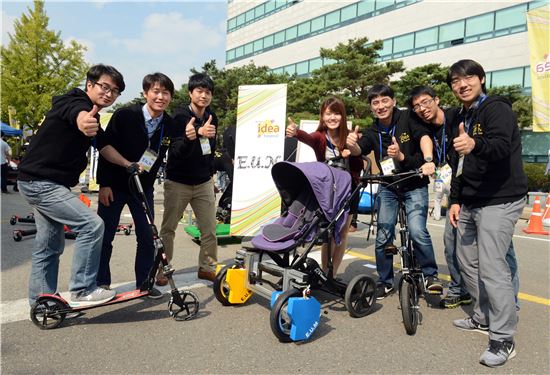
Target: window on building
[332, 19]
[527, 76]
[240, 20]
[239, 52]
[258, 45]
[451, 31]
[290, 69]
[248, 48]
[231, 23]
[507, 77]
[403, 43]
[269, 6]
[480, 27]
[348, 12]
[315, 64]
[230, 55]
[304, 28]
[249, 15]
[364, 7]
[302, 68]
[259, 11]
[279, 37]
[381, 4]
[278, 71]
[291, 33]
[511, 17]
[268, 41]
[426, 38]
[387, 48]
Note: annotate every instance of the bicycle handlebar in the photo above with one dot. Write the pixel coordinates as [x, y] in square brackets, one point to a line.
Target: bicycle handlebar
[391, 178]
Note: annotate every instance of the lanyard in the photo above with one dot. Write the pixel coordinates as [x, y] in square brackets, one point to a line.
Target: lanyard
[329, 142]
[475, 106]
[439, 149]
[391, 132]
[149, 139]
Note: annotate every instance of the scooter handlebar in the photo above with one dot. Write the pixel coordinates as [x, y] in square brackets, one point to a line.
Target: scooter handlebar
[391, 178]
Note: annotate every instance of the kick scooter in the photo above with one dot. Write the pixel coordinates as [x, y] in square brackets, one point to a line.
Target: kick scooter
[49, 310]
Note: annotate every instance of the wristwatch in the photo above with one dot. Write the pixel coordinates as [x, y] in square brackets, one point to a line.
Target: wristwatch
[428, 159]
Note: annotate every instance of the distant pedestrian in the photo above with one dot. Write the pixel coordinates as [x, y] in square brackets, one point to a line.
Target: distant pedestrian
[5, 158]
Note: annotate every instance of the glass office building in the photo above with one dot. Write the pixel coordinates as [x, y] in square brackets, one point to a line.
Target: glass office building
[287, 35]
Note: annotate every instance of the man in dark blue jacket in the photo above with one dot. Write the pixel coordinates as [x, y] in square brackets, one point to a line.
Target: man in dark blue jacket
[488, 192]
[140, 133]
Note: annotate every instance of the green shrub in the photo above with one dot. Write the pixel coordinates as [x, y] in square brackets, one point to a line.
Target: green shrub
[536, 180]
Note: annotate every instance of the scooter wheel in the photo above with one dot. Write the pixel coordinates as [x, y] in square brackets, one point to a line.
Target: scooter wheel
[17, 236]
[184, 305]
[279, 319]
[360, 296]
[13, 220]
[221, 288]
[46, 312]
[127, 231]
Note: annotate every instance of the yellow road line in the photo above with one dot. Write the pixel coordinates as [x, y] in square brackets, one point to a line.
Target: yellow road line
[522, 296]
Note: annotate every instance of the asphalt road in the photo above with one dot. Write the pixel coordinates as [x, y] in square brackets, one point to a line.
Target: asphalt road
[140, 337]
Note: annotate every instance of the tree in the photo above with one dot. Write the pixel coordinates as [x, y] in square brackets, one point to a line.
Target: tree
[433, 75]
[521, 103]
[353, 72]
[37, 65]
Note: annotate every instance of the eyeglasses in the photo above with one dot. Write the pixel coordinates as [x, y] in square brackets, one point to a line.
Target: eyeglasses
[107, 89]
[467, 79]
[423, 104]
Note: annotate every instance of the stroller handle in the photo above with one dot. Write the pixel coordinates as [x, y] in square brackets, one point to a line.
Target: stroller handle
[392, 178]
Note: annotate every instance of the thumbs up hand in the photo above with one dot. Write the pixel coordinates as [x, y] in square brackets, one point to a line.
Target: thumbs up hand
[190, 132]
[208, 130]
[393, 149]
[291, 129]
[87, 123]
[463, 144]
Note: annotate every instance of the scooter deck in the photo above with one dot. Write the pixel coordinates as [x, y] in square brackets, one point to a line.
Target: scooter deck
[121, 297]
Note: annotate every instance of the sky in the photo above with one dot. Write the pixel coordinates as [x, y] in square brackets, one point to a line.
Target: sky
[136, 37]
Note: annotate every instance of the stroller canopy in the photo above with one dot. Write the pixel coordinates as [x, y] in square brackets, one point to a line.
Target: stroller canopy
[331, 186]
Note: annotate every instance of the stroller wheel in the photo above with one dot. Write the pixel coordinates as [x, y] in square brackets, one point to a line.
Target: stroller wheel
[45, 312]
[360, 296]
[279, 319]
[221, 288]
[13, 220]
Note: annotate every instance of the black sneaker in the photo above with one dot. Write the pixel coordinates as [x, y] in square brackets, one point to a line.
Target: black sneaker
[450, 302]
[497, 353]
[383, 290]
[434, 285]
[154, 293]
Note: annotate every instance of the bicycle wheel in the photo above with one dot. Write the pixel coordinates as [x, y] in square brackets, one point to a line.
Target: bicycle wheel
[360, 296]
[221, 288]
[279, 320]
[408, 299]
[45, 312]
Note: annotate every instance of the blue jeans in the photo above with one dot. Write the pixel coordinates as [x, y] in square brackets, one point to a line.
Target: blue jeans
[416, 206]
[54, 205]
[456, 286]
[145, 251]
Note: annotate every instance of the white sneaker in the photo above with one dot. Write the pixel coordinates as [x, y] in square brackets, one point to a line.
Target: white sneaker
[94, 297]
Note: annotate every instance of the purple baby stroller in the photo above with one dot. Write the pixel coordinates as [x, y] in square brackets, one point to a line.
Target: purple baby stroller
[275, 263]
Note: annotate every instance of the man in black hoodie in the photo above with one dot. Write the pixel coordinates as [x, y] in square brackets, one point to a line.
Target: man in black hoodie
[189, 173]
[53, 163]
[140, 133]
[487, 198]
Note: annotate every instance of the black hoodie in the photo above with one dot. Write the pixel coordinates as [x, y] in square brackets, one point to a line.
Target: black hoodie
[493, 172]
[186, 163]
[58, 150]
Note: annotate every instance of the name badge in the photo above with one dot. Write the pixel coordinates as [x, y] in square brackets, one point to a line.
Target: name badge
[388, 166]
[460, 165]
[148, 159]
[205, 146]
[445, 174]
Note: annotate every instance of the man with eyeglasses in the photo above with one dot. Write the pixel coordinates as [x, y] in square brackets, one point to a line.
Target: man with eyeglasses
[55, 158]
[140, 133]
[425, 103]
[400, 143]
[488, 192]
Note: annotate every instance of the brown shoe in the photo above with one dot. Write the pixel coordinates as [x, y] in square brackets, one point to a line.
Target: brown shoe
[161, 280]
[352, 228]
[206, 275]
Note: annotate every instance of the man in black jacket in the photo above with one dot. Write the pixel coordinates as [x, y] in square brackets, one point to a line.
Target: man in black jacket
[189, 173]
[140, 133]
[54, 160]
[401, 143]
[487, 198]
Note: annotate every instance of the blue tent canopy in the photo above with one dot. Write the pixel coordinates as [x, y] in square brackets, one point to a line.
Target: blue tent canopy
[11, 132]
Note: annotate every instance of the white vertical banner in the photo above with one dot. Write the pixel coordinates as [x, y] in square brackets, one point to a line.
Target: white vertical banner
[304, 153]
[259, 144]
